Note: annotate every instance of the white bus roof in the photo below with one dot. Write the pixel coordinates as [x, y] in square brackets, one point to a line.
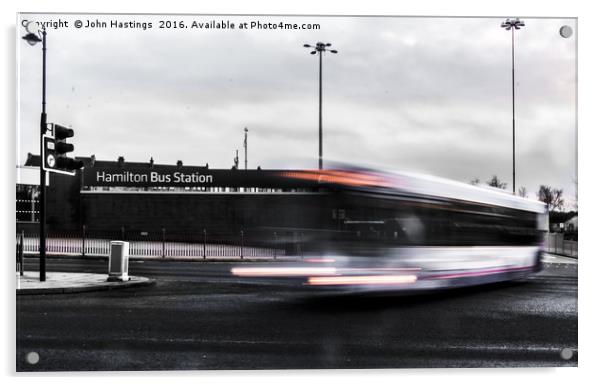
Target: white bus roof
[427, 185]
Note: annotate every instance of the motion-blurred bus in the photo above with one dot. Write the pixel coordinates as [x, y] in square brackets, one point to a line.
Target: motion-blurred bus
[366, 230]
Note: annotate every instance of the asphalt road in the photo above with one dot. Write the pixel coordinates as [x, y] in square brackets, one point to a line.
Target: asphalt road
[198, 317]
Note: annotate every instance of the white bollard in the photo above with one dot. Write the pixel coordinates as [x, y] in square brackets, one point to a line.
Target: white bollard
[118, 261]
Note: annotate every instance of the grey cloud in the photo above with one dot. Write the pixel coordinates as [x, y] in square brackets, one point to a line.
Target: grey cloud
[419, 94]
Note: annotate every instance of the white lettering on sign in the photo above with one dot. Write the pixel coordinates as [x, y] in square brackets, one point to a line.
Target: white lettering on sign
[126, 176]
[192, 178]
[160, 178]
[154, 177]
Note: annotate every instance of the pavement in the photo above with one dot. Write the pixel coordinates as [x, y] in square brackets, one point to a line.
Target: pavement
[556, 258]
[64, 282]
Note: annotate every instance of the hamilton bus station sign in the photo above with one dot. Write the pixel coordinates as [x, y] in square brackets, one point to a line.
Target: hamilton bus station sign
[186, 176]
[151, 178]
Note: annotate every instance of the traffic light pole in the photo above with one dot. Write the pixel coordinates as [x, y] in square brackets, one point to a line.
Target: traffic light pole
[42, 171]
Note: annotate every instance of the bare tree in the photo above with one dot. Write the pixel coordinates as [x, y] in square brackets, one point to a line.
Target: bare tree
[551, 197]
[496, 182]
[475, 181]
[522, 192]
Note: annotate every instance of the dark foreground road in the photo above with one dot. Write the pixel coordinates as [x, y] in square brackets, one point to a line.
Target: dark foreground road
[197, 317]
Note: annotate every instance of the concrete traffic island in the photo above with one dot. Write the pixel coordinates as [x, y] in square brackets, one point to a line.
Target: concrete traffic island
[57, 283]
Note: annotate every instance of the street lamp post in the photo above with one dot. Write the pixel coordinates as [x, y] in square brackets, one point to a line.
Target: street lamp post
[32, 38]
[245, 143]
[320, 48]
[512, 25]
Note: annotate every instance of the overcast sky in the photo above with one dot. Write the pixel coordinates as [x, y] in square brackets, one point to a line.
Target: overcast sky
[431, 95]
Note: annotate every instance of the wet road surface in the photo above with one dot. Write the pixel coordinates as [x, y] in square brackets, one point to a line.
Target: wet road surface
[198, 316]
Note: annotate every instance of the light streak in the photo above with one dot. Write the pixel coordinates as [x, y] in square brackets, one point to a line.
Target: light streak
[362, 280]
[347, 178]
[281, 271]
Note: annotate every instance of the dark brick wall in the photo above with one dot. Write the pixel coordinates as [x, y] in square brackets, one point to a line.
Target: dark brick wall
[218, 213]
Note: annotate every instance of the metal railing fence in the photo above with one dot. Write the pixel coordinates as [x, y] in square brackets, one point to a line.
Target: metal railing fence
[204, 245]
[153, 244]
[556, 244]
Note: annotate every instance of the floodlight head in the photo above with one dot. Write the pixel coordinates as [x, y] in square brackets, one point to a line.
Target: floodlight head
[334, 51]
[306, 45]
[514, 23]
[313, 52]
[32, 38]
[328, 44]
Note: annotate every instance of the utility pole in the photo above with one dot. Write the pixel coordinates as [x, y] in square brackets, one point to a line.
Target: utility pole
[246, 131]
[33, 37]
[511, 25]
[320, 48]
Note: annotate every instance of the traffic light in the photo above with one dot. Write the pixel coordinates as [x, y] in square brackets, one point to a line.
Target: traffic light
[63, 162]
[55, 151]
